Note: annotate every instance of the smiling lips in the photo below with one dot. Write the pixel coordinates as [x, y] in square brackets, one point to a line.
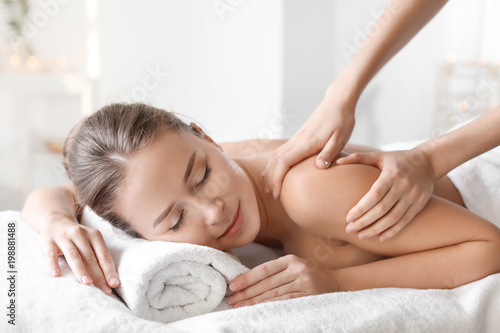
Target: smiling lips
[235, 224]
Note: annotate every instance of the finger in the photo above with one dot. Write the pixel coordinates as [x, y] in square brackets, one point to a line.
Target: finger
[410, 213]
[105, 259]
[271, 164]
[74, 261]
[52, 255]
[367, 203]
[283, 164]
[258, 273]
[392, 217]
[274, 285]
[360, 158]
[91, 262]
[268, 296]
[332, 148]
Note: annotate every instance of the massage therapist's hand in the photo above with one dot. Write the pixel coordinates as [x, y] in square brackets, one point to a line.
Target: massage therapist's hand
[402, 190]
[326, 131]
[284, 278]
[83, 248]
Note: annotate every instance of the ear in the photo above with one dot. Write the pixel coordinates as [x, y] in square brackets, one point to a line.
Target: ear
[204, 135]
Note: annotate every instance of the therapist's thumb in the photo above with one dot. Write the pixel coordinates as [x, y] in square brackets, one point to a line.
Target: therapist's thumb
[360, 158]
[329, 152]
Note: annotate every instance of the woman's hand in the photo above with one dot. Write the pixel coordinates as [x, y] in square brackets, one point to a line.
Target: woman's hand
[83, 248]
[284, 278]
[326, 131]
[402, 190]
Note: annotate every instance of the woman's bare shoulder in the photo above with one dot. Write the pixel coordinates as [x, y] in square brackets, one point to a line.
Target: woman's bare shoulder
[245, 148]
[307, 190]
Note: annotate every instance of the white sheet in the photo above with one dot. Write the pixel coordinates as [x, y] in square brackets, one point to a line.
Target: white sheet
[46, 304]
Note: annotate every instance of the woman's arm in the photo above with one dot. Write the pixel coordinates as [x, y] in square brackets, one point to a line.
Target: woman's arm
[51, 211]
[329, 127]
[445, 246]
[56, 200]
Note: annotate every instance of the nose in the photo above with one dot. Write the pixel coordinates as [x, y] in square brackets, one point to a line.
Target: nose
[212, 211]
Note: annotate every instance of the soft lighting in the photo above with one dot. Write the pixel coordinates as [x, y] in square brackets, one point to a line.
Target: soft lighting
[32, 61]
[469, 61]
[451, 58]
[15, 60]
[482, 61]
[61, 61]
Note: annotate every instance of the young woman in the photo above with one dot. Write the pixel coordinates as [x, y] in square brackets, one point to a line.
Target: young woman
[148, 173]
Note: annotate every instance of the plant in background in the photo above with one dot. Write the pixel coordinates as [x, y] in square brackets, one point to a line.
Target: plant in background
[16, 14]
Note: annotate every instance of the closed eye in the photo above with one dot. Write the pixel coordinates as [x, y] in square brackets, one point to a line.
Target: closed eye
[179, 222]
[208, 170]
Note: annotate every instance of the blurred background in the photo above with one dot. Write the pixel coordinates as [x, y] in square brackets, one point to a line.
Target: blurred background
[240, 68]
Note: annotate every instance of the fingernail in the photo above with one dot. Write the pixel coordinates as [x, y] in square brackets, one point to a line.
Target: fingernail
[105, 289]
[383, 238]
[323, 162]
[350, 218]
[350, 228]
[234, 286]
[86, 280]
[54, 273]
[231, 299]
[114, 281]
[363, 235]
[341, 159]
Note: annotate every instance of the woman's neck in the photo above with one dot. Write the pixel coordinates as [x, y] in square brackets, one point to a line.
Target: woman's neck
[272, 216]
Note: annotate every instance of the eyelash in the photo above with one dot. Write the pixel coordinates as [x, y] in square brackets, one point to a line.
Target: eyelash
[208, 170]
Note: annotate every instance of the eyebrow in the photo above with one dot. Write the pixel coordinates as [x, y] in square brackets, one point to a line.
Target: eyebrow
[189, 168]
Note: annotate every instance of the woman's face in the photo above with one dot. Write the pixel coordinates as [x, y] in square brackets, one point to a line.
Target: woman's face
[183, 188]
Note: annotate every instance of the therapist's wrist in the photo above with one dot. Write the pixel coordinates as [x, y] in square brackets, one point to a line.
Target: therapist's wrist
[341, 92]
[424, 155]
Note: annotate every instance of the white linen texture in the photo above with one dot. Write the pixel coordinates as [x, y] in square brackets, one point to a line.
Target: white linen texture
[167, 281]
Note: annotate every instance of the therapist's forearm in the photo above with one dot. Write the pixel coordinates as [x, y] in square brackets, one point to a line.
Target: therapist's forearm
[399, 23]
[448, 151]
[56, 200]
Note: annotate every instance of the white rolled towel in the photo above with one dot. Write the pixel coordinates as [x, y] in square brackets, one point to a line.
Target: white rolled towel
[166, 281]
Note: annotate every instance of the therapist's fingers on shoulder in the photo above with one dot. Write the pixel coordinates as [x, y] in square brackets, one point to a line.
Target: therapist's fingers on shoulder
[410, 213]
[332, 148]
[391, 218]
[283, 163]
[104, 259]
[373, 205]
[360, 158]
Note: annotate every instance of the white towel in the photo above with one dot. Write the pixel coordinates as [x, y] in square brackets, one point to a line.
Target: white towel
[478, 182]
[166, 281]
